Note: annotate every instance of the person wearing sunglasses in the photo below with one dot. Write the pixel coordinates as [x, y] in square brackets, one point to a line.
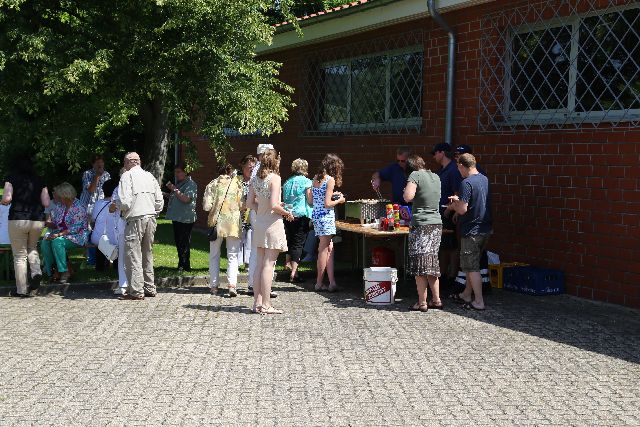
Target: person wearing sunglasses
[396, 174]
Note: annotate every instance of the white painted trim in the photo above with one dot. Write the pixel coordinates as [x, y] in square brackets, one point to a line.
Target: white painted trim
[357, 22]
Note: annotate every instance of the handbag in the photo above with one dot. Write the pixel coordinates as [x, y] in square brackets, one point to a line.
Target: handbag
[109, 250]
[212, 235]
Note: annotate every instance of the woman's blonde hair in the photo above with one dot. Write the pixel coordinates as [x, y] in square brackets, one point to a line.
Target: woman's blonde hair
[65, 191]
[270, 163]
[300, 167]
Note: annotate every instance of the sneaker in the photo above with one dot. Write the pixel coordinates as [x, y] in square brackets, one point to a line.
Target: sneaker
[232, 291]
[249, 291]
[120, 291]
[273, 294]
[35, 282]
[15, 294]
[213, 290]
[64, 277]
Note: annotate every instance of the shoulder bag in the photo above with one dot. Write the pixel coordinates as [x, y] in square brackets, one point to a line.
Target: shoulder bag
[212, 235]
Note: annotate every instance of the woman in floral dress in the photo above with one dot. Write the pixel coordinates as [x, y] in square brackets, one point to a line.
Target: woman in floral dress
[323, 216]
[67, 229]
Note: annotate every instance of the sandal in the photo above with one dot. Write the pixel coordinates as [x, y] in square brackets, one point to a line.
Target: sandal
[320, 288]
[256, 309]
[435, 306]
[271, 310]
[470, 306]
[419, 307]
[458, 299]
[213, 290]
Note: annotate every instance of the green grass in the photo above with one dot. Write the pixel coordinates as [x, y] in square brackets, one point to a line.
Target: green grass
[165, 259]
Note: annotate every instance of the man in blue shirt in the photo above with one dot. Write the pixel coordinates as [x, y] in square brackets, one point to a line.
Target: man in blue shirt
[396, 174]
[450, 180]
[474, 210]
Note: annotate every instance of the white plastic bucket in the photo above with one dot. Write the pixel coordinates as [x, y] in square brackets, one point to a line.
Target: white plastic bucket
[380, 285]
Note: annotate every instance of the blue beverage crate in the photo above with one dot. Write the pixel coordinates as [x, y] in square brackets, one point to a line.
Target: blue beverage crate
[533, 280]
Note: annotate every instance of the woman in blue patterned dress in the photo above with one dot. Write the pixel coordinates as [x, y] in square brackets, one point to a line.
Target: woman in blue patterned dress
[324, 200]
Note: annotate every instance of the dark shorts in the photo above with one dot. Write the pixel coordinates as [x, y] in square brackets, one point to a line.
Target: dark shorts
[471, 249]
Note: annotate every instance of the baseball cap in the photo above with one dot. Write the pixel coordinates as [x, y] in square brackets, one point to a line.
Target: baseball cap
[463, 149]
[443, 146]
[264, 147]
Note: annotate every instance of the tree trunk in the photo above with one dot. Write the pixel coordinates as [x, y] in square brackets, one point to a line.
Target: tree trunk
[156, 137]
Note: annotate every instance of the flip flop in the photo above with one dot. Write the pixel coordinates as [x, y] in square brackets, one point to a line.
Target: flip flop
[419, 307]
[458, 299]
[435, 306]
[470, 306]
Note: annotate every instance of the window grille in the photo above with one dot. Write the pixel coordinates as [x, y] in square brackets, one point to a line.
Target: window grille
[372, 87]
[560, 65]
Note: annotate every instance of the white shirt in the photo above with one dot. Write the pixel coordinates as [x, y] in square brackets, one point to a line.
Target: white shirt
[105, 222]
[139, 194]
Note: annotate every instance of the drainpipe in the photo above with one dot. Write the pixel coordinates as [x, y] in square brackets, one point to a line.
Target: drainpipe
[451, 68]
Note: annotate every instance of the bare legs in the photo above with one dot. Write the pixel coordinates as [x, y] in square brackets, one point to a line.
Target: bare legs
[434, 283]
[473, 289]
[263, 279]
[325, 262]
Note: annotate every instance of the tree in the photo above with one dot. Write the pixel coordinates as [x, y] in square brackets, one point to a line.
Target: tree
[73, 72]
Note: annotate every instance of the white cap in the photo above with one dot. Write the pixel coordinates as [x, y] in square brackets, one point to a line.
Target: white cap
[264, 147]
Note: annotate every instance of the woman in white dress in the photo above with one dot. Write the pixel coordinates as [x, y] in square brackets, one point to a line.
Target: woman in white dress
[269, 238]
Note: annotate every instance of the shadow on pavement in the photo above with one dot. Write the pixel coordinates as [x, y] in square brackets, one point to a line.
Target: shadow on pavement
[602, 328]
[217, 308]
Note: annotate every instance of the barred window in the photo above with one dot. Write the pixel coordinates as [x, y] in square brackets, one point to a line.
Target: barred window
[378, 92]
[572, 65]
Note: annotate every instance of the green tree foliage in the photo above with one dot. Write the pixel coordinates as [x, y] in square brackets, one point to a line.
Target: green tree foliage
[74, 73]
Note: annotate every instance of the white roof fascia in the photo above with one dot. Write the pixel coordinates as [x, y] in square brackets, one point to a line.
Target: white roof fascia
[357, 22]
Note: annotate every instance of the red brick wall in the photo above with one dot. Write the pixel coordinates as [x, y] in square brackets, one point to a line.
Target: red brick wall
[561, 200]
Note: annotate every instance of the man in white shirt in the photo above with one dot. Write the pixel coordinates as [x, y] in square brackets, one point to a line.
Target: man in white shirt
[140, 200]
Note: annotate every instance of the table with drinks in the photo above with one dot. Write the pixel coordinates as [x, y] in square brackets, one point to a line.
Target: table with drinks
[393, 224]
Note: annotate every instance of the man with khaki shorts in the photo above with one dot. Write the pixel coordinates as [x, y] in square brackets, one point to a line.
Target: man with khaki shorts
[474, 209]
[140, 201]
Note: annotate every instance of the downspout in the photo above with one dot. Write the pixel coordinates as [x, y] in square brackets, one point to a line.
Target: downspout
[451, 68]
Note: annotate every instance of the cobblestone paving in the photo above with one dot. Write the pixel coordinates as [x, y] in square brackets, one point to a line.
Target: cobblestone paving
[188, 358]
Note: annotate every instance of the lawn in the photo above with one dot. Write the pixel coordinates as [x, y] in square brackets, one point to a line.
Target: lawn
[165, 259]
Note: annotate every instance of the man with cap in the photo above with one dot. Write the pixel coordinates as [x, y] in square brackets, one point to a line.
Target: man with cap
[396, 173]
[464, 149]
[450, 180]
[253, 257]
[140, 201]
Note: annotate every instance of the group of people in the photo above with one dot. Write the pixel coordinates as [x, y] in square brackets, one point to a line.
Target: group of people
[258, 217]
[255, 215]
[451, 220]
[124, 211]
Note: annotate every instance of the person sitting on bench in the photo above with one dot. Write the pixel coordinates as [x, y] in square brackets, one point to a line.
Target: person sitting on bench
[67, 229]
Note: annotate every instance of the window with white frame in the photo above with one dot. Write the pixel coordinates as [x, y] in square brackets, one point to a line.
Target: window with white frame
[563, 65]
[373, 92]
[583, 65]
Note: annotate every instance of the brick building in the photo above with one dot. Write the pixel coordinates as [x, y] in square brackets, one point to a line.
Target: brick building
[546, 92]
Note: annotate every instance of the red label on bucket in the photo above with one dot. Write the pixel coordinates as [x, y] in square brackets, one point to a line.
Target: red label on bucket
[377, 290]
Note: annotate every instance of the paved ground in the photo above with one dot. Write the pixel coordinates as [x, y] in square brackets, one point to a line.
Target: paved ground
[189, 358]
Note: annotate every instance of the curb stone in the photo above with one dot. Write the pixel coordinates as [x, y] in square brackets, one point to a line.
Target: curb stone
[108, 285]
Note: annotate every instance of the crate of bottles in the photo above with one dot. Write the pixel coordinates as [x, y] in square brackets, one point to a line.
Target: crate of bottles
[534, 280]
[496, 272]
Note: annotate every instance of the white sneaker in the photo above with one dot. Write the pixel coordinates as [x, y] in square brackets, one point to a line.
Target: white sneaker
[120, 291]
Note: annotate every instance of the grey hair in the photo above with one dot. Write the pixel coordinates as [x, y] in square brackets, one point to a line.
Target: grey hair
[65, 191]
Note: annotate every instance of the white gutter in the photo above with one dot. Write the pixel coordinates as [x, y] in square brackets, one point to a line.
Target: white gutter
[368, 19]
